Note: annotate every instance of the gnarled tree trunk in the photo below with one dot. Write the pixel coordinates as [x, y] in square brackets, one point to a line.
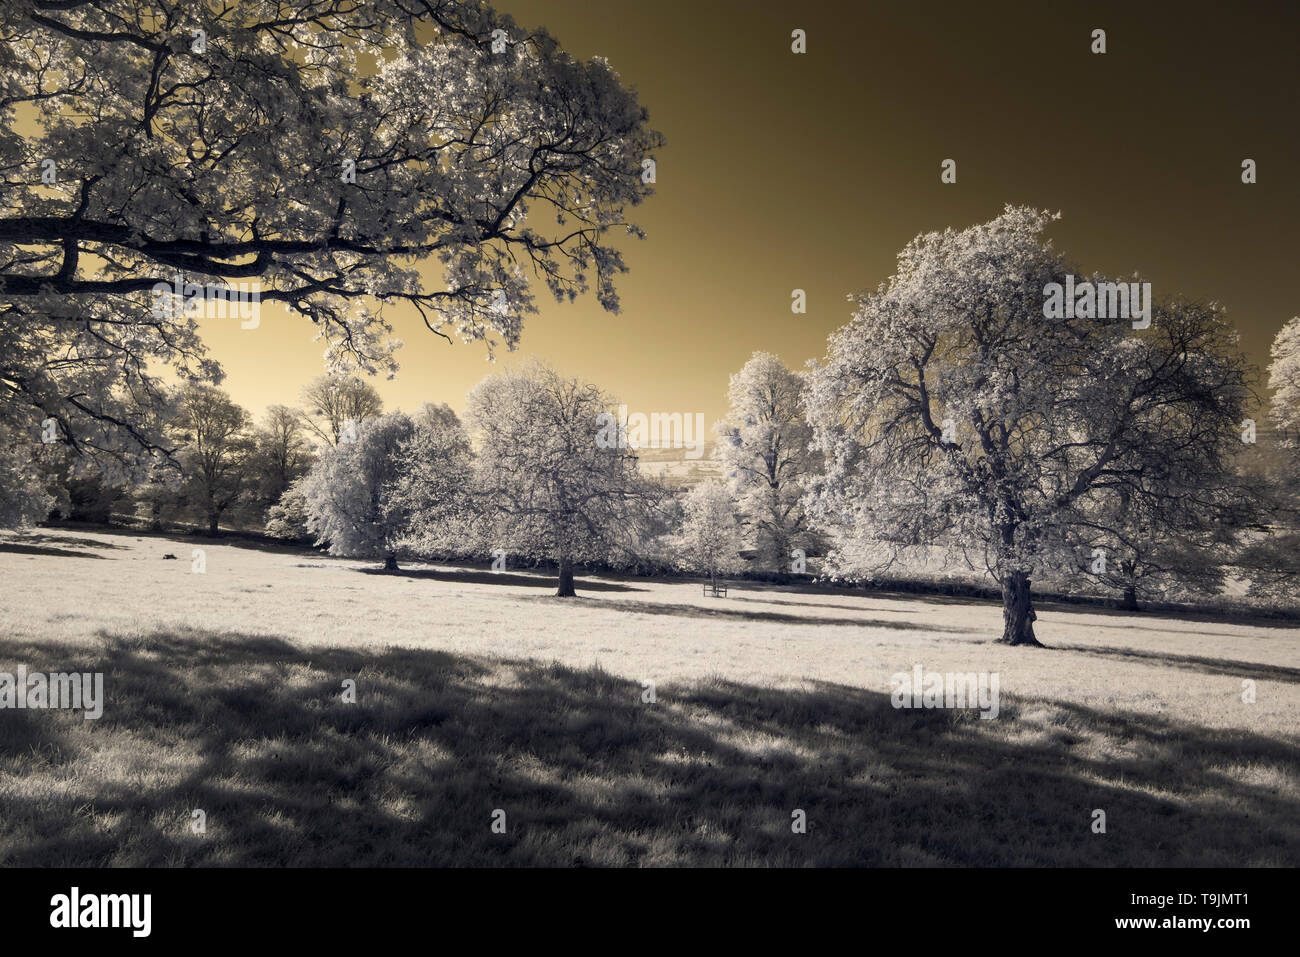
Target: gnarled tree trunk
[1017, 611]
[390, 562]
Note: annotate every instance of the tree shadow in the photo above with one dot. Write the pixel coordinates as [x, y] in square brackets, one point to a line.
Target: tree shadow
[1153, 612]
[699, 611]
[196, 536]
[17, 548]
[1209, 666]
[478, 577]
[78, 541]
[255, 732]
[817, 604]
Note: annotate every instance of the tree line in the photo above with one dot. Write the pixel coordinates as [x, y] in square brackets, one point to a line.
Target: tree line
[950, 422]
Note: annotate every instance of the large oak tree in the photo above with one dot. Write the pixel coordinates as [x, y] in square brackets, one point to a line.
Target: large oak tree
[951, 411]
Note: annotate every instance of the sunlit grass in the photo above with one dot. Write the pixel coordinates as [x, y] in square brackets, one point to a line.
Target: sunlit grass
[224, 694]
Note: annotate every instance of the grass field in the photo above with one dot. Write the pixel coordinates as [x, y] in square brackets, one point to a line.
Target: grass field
[478, 692]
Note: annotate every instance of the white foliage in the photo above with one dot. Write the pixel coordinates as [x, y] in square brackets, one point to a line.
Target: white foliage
[764, 450]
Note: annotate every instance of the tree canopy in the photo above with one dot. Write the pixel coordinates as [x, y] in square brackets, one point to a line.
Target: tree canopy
[321, 150]
[951, 410]
[548, 487]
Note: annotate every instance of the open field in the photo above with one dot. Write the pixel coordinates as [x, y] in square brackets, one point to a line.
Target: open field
[478, 691]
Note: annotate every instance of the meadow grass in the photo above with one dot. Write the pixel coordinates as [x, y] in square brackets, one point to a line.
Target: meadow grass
[476, 693]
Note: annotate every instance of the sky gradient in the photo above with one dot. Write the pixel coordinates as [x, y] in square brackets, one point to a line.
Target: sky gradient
[812, 171]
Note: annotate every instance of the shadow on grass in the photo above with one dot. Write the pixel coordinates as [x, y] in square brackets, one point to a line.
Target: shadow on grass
[77, 540]
[742, 614]
[819, 604]
[254, 732]
[1209, 666]
[24, 549]
[467, 577]
[186, 535]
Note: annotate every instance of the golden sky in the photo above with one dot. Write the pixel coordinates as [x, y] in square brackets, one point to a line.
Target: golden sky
[786, 171]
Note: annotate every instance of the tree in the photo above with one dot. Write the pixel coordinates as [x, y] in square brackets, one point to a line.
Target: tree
[432, 498]
[711, 537]
[439, 417]
[348, 489]
[321, 153]
[333, 401]
[91, 498]
[280, 456]
[764, 452]
[550, 487]
[1176, 545]
[23, 498]
[951, 410]
[1271, 556]
[1284, 380]
[290, 517]
[215, 452]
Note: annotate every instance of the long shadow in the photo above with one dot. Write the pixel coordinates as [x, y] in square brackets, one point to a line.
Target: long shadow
[817, 604]
[1149, 624]
[698, 611]
[1209, 666]
[24, 549]
[255, 731]
[1157, 613]
[234, 539]
[1049, 602]
[44, 538]
[498, 578]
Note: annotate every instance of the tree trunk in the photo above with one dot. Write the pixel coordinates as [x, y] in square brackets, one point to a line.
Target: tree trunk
[212, 524]
[780, 553]
[566, 580]
[1130, 600]
[390, 562]
[1017, 612]
[156, 512]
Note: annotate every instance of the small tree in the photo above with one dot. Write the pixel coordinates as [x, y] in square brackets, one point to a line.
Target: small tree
[215, 450]
[550, 486]
[280, 456]
[764, 452]
[1161, 546]
[347, 491]
[1270, 556]
[432, 497]
[289, 518]
[1284, 380]
[711, 536]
